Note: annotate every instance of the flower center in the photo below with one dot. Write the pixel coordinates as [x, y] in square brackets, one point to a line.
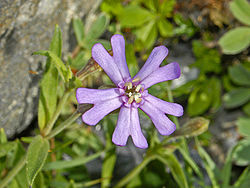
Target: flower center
[133, 91]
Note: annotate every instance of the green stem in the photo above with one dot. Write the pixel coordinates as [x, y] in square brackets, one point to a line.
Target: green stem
[13, 172]
[59, 108]
[171, 99]
[63, 125]
[135, 171]
[175, 120]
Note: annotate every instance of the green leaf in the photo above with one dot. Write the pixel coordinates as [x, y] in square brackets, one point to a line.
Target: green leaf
[5, 148]
[65, 74]
[166, 7]
[134, 16]
[184, 89]
[144, 31]
[3, 137]
[236, 97]
[190, 161]
[244, 180]
[235, 40]
[56, 42]
[216, 99]
[246, 108]
[165, 27]
[207, 60]
[227, 168]
[72, 163]
[242, 153]
[151, 37]
[131, 60]
[243, 124]
[240, 9]
[80, 60]
[176, 169]
[36, 157]
[210, 166]
[108, 167]
[200, 99]
[48, 87]
[79, 30]
[97, 28]
[239, 75]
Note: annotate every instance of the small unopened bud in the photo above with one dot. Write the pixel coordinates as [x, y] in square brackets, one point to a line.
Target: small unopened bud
[193, 127]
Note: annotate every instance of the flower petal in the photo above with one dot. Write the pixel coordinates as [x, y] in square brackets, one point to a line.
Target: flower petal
[102, 57]
[99, 110]
[167, 72]
[166, 107]
[118, 48]
[160, 120]
[135, 130]
[128, 124]
[93, 96]
[121, 133]
[153, 62]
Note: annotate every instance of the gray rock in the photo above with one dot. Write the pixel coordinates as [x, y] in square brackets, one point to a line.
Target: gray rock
[25, 27]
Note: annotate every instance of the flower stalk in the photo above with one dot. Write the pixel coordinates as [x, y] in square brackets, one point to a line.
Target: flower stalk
[55, 116]
[135, 171]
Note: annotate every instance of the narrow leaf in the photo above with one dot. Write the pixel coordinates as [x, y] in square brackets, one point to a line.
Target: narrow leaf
[108, 167]
[36, 156]
[72, 163]
[176, 169]
[79, 30]
[209, 165]
[62, 69]
[97, 28]
[48, 86]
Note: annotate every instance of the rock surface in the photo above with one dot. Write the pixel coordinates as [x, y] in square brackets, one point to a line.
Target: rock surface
[27, 26]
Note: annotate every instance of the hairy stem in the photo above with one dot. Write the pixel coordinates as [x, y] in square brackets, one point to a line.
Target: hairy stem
[63, 125]
[59, 108]
[175, 119]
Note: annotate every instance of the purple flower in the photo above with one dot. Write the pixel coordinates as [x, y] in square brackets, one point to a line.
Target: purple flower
[130, 93]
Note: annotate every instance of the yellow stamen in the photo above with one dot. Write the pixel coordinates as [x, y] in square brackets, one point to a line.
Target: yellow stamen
[136, 79]
[130, 99]
[137, 89]
[129, 85]
[138, 100]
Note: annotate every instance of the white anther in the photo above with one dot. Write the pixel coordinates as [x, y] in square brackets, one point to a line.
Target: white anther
[137, 89]
[130, 94]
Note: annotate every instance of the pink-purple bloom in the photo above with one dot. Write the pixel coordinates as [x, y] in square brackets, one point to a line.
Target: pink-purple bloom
[130, 93]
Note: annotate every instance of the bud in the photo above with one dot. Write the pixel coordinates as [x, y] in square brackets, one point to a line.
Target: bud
[193, 127]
